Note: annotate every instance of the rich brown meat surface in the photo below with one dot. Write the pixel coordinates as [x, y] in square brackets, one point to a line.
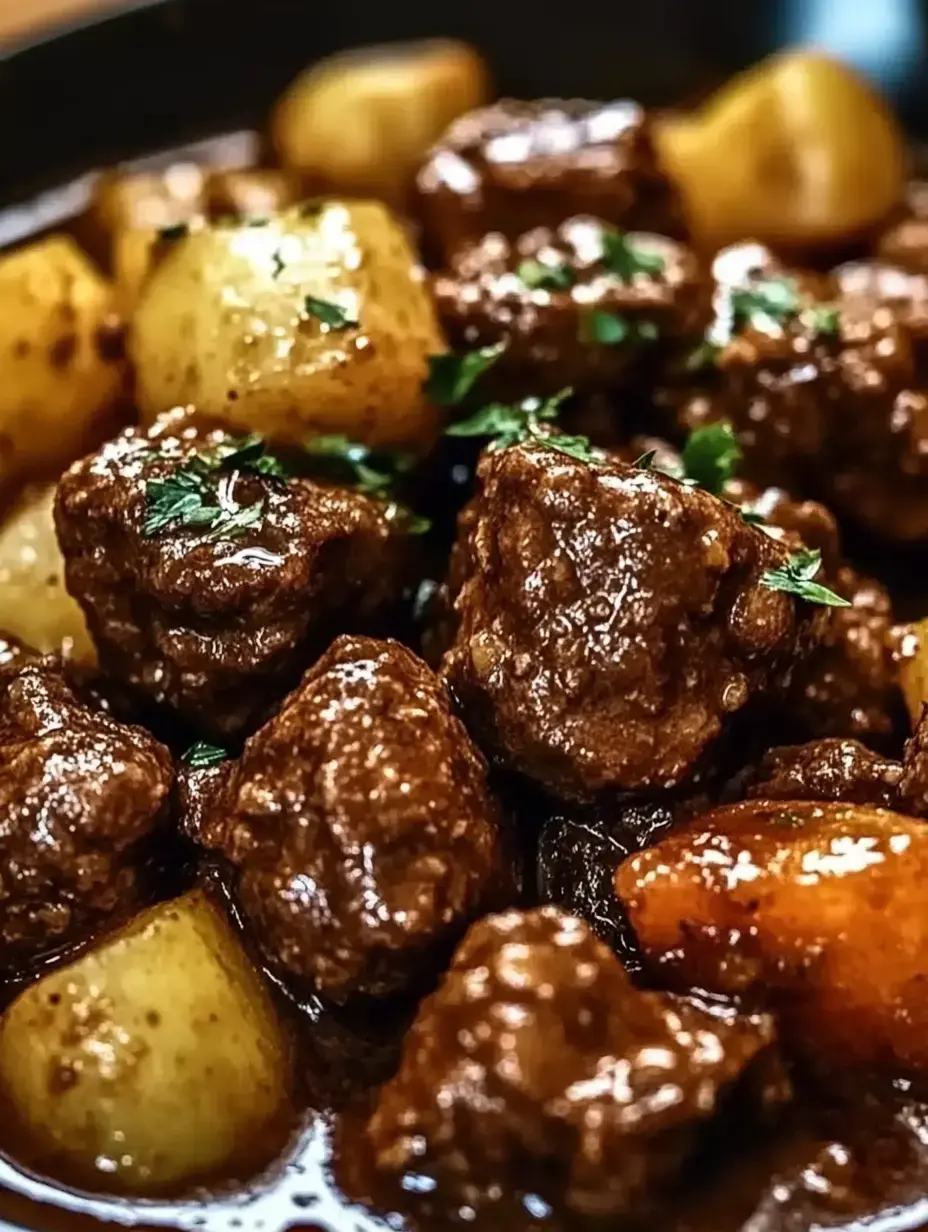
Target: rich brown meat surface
[219, 627]
[537, 1067]
[359, 825]
[517, 165]
[544, 294]
[814, 909]
[79, 794]
[832, 770]
[830, 373]
[612, 622]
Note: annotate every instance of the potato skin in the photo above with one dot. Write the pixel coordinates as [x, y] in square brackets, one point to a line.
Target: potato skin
[62, 373]
[223, 324]
[34, 603]
[361, 121]
[816, 909]
[154, 1061]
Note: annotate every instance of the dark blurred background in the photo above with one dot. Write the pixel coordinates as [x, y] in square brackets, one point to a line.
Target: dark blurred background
[163, 71]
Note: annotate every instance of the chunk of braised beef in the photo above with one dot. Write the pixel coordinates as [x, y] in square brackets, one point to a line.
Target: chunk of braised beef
[81, 798]
[217, 626]
[832, 770]
[807, 370]
[538, 1068]
[358, 825]
[811, 910]
[612, 623]
[567, 314]
[905, 241]
[578, 852]
[515, 166]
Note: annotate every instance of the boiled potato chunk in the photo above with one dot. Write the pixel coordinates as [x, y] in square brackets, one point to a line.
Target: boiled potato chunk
[795, 152]
[914, 671]
[62, 374]
[360, 123]
[317, 321]
[817, 910]
[130, 210]
[154, 1061]
[34, 604]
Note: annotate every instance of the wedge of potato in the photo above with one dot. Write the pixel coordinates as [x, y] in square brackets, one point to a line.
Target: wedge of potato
[797, 152]
[360, 123]
[154, 1061]
[62, 374]
[34, 603]
[316, 321]
[913, 674]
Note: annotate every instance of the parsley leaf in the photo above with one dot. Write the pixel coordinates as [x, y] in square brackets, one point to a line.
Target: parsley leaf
[201, 755]
[796, 578]
[370, 472]
[513, 425]
[626, 259]
[823, 318]
[768, 303]
[611, 329]
[711, 456]
[702, 356]
[186, 497]
[646, 461]
[539, 276]
[333, 315]
[176, 231]
[452, 377]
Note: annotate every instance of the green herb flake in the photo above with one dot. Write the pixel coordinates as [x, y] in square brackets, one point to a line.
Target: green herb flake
[332, 315]
[823, 319]
[278, 264]
[611, 329]
[605, 328]
[372, 473]
[202, 755]
[702, 357]
[452, 377]
[767, 305]
[626, 259]
[711, 457]
[796, 577]
[539, 276]
[526, 422]
[646, 461]
[196, 495]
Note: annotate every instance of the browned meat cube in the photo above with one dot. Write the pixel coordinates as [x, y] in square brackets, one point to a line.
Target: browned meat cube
[850, 685]
[519, 165]
[613, 622]
[905, 242]
[538, 1067]
[824, 388]
[208, 583]
[815, 909]
[79, 795]
[582, 305]
[359, 825]
[832, 770]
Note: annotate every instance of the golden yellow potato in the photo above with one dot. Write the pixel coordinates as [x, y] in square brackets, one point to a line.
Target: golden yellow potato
[360, 122]
[34, 604]
[798, 151]
[317, 321]
[913, 672]
[61, 375]
[154, 1061]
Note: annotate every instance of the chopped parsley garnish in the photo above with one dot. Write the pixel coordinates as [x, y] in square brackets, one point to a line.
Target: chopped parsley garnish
[625, 259]
[769, 303]
[711, 457]
[452, 377]
[513, 425]
[702, 357]
[202, 755]
[796, 578]
[333, 315]
[539, 276]
[646, 461]
[611, 329]
[198, 494]
[277, 263]
[823, 318]
[371, 472]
